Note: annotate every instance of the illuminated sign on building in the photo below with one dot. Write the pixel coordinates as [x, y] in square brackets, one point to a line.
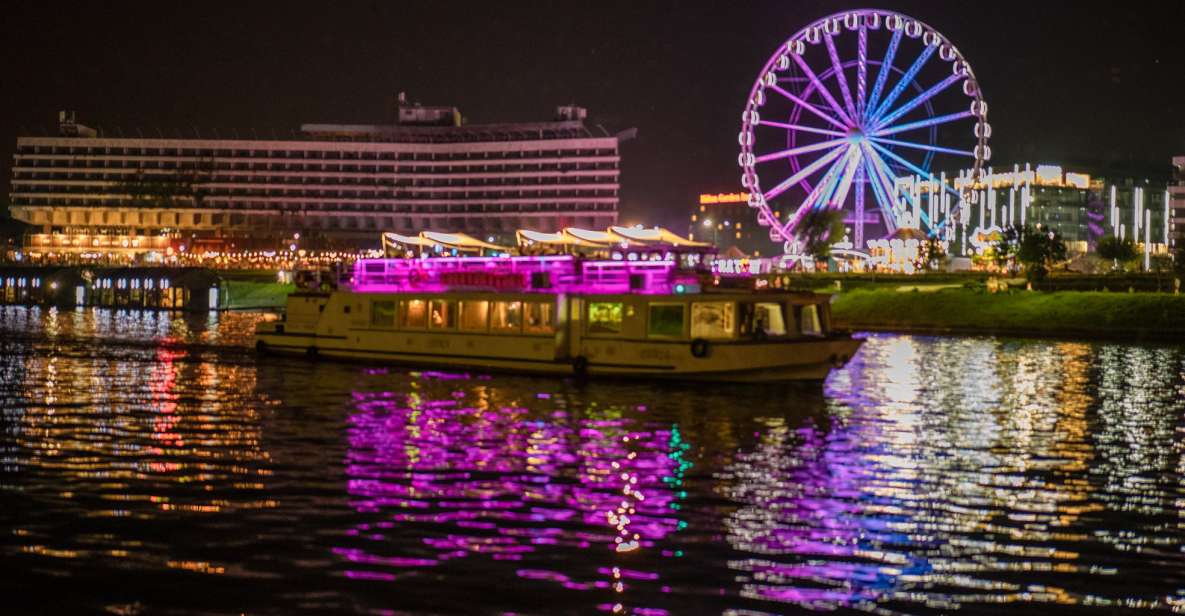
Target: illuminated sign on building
[711, 199]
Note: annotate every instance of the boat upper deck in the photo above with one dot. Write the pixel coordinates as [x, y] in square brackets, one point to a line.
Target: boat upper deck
[531, 274]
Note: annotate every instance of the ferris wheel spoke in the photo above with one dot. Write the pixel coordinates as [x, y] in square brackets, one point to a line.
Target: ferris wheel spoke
[823, 91]
[861, 69]
[802, 174]
[833, 184]
[824, 187]
[809, 107]
[814, 147]
[799, 127]
[878, 192]
[906, 79]
[922, 146]
[840, 77]
[849, 174]
[914, 168]
[901, 128]
[918, 100]
[883, 74]
[881, 188]
[881, 172]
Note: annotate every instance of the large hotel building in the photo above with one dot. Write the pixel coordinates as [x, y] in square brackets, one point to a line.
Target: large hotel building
[335, 185]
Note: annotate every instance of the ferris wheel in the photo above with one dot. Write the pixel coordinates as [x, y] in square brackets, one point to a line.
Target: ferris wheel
[854, 107]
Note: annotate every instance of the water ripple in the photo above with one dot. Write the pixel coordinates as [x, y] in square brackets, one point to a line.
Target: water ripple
[151, 464]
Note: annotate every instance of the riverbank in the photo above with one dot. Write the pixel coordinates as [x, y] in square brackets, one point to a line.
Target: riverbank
[256, 294]
[1148, 317]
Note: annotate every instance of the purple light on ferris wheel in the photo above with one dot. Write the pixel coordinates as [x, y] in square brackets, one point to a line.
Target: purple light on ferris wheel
[818, 136]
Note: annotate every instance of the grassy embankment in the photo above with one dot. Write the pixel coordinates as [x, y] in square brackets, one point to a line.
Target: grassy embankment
[1151, 317]
[255, 289]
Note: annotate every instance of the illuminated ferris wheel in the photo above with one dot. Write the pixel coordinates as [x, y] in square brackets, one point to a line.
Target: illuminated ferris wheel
[846, 111]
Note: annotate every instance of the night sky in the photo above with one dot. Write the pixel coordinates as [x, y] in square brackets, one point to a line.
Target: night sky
[1066, 81]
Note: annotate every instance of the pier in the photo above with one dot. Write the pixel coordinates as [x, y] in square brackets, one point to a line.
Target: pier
[190, 289]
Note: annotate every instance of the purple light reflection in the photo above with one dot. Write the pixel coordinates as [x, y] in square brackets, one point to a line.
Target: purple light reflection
[817, 534]
[504, 483]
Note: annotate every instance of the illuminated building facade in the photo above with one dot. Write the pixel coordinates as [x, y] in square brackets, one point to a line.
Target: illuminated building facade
[726, 220]
[1177, 204]
[1080, 207]
[334, 185]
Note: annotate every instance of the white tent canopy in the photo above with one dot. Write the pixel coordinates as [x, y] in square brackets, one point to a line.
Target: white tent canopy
[430, 239]
[657, 235]
[405, 240]
[599, 238]
[527, 236]
[460, 241]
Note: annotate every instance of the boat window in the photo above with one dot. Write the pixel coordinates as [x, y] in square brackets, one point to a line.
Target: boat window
[540, 318]
[413, 314]
[507, 317]
[442, 314]
[474, 315]
[713, 319]
[768, 319]
[604, 317]
[666, 321]
[382, 313]
[810, 321]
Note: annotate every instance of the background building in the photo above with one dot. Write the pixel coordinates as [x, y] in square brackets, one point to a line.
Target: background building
[1177, 194]
[726, 220]
[330, 185]
[1082, 208]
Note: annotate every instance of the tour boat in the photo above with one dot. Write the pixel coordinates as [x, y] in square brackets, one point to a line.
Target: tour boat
[562, 315]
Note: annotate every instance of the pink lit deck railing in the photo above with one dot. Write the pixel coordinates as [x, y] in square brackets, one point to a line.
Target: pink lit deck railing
[540, 274]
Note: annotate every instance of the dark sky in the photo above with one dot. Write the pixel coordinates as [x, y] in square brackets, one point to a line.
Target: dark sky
[1066, 81]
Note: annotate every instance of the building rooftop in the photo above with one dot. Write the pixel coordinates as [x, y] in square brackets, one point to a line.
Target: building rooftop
[468, 132]
[412, 123]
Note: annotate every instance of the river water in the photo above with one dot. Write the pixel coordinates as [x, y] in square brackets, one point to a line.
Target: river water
[152, 464]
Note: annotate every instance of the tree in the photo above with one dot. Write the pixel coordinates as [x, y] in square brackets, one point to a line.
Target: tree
[1004, 249]
[1160, 265]
[1037, 249]
[819, 230]
[936, 257]
[1116, 250]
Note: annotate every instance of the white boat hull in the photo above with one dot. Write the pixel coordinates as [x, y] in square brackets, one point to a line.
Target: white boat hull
[750, 362]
